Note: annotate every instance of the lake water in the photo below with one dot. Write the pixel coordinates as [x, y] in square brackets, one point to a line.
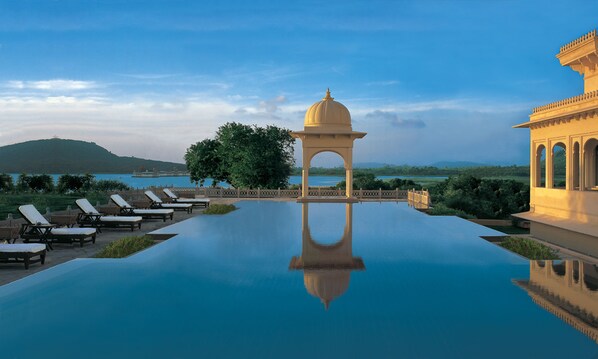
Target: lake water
[286, 280]
[139, 182]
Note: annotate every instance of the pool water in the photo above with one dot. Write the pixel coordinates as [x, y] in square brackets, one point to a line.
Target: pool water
[282, 279]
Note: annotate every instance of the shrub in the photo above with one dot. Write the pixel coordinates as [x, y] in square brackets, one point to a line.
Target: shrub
[220, 209]
[6, 184]
[125, 247]
[442, 210]
[110, 185]
[529, 249]
[484, 198]
[35, 183]
[75, 183]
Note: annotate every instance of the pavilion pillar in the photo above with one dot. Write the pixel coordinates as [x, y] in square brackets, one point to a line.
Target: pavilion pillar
[305, 182]
[549, 167]
[305, 175]
[349, 181]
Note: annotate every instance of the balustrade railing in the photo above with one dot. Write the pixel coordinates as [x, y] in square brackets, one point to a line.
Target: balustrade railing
[419, 199]
[212, 192]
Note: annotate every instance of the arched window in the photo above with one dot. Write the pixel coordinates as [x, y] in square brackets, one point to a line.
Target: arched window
[540, 166]
[591, 164]
[559, 166]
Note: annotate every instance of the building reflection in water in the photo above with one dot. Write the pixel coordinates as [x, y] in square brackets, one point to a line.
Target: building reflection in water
[567, 289]
[327, 268]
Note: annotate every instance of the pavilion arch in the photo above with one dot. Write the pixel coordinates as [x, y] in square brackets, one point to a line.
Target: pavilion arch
[539, 172]
[559, 166]
[590, 167]
[346, 165]
[559, 268]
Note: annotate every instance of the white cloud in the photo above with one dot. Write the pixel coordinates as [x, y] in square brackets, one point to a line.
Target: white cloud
[52, 85]
[162, 128]
[382, 83]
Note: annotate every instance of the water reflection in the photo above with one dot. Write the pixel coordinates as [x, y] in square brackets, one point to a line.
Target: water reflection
[567, 289]
[327, 268]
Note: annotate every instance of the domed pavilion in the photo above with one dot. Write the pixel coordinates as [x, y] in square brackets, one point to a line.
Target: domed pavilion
[327, 267]
[327, 128]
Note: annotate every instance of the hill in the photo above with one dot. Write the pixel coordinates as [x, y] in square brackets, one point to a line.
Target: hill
[457, 164]
[72, 156]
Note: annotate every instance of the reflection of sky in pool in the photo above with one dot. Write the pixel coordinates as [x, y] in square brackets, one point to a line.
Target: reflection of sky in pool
[223, 288]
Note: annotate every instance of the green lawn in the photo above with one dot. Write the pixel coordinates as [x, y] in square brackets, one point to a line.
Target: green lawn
[529, 248]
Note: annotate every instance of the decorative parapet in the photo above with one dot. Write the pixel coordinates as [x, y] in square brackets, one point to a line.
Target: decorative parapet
[584, 38]
[569, 101]
[581, 55]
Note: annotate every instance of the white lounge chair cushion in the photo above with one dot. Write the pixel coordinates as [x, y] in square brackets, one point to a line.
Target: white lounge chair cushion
[123, 219]
[72, 231]
[173, 196]
[86, 207]
[152, 196]
[169, 193]
[194, 200]
[153, 211]
[22, 248]
[176, 205]
[116, 198]
[32, 214]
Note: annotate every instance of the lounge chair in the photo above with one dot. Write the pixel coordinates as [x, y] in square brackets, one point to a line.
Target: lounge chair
[39, 229]
[200, 202]
[23, 252]
[89, 216]
[127, 210]
[158, 203]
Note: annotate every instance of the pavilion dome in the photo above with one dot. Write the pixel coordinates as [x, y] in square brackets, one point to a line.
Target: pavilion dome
[326, 284]
[328, 115]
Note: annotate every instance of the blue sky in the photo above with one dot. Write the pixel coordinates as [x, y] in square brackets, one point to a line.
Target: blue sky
[428, 80]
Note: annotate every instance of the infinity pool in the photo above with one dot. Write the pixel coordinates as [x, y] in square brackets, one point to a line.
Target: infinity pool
[281, 279]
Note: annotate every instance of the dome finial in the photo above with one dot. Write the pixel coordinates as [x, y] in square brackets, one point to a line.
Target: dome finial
[328, 95]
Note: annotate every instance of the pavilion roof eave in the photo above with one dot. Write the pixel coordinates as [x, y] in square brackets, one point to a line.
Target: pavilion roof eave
[523, 125]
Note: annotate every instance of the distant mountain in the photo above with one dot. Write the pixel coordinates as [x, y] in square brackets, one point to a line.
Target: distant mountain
[72, 156]
[457, 164]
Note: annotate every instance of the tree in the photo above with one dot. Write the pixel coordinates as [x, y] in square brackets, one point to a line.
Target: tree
[75, 183]
[6, 184]
[203, 161]
[244, 156]
[35, 183]
[483, 198]
[110, 185]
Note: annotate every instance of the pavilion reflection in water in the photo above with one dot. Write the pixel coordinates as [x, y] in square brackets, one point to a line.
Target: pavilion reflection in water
[327, 268]
[567, 289]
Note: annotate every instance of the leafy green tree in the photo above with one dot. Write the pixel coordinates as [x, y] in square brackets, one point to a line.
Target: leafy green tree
[244, 156]
[110, 185]
[23, 182]
[35, 183]
[6, 183]
[367, 180]
[483, 198]
[75, 183]
[204, 160]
